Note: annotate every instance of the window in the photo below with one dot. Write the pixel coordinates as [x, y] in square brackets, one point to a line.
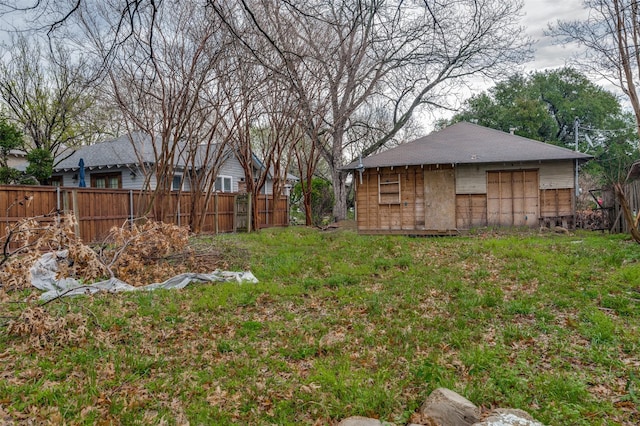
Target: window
[389, 188]
[177, 183]
[106, 180]
[55, 181]
[223, 184]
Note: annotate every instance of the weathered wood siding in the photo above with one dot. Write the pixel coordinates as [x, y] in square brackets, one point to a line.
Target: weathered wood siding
[512, 197]
[380, 209]
[438, 199]
[556, 202]
[425, 202]
[471, 210]
[471, 178]
[476, 205]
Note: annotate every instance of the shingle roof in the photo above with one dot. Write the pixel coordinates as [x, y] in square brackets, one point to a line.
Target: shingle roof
[466, 143]
[118, 152]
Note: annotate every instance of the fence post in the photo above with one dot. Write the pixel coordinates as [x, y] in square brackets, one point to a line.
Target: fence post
[215, 212]
[287, 213]
[250, 211]
[179, 195]
[131, 218]
[266, 208]
[65, 201]
[76, 212]
[57, 205]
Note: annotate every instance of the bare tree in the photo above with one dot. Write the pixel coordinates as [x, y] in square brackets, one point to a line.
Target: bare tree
[410, 54]
[611, 36]
[57, 18]
[276, 133]
[48, 96]
[167, 86]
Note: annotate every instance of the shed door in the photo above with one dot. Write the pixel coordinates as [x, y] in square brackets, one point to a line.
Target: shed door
[512, 198]
[440, 199]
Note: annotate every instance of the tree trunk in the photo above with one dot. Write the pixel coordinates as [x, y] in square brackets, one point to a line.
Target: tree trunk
[338, 176]
[339, 179]
[626, 210]
[308, 217]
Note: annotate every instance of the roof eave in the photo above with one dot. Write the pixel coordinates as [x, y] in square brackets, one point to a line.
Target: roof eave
[354, 165]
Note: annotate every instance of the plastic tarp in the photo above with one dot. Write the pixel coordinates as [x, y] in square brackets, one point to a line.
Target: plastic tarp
[45, 270]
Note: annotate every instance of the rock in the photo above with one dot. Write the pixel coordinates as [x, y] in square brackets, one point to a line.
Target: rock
[446, 408]
[509, 417]
[561, 230]
[361, 421]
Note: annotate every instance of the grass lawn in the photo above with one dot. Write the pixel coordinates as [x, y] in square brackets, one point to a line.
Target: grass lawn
[342, 325]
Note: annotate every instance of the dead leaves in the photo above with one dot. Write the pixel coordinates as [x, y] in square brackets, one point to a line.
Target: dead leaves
[29, 239]
[138, 255]
[44, 331]
[154, 252]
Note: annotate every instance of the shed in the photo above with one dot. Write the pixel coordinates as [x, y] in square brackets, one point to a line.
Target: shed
[462, 177]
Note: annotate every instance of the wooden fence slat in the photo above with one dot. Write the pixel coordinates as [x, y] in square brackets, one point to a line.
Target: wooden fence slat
[98, 210]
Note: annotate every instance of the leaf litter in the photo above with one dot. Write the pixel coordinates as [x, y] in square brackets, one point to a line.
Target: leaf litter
[285, 362]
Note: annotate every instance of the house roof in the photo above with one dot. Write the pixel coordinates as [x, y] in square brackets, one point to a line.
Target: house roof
[128, 151]
[466, 143]
[118, 152]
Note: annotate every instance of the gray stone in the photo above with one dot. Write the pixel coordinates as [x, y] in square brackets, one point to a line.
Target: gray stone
[446, 408]
[561, 230]
[509, 417]
[360, 421]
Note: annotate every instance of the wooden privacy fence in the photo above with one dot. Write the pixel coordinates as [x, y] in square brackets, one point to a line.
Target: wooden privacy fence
[606, 213]
[98, 210]
[632, 193]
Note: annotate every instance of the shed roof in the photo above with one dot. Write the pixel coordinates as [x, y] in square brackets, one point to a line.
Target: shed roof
[467, 143]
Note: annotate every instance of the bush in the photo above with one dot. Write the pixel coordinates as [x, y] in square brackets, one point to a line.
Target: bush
[40, 164]
[322, 199]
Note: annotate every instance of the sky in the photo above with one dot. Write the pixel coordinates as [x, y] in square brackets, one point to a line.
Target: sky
[538, 15]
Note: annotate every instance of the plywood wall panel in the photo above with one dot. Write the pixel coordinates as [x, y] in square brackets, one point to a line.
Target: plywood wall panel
[471, 211]
[471, 178]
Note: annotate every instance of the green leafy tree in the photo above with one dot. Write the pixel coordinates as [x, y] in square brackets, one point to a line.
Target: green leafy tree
[322, 198]
[609, 35]
[614, 151]
[40, 164]
[10, 139]
[543, 106]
